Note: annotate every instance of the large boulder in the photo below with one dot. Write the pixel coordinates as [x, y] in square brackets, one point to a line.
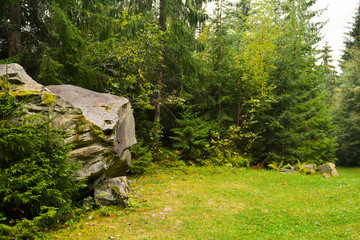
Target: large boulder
[104, 133]
[100, 126]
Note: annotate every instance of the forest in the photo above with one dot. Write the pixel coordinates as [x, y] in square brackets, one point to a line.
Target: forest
[244, 84]
[236, 84]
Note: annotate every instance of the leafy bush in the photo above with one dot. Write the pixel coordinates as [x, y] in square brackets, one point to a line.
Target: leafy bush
[229, 158]
[224, 150]
[192, 137]
[142, 158]
[36, 183]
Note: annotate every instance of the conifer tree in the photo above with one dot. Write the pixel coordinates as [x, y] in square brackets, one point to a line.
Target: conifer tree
[349, 110]
[299, 126]
[353, 36]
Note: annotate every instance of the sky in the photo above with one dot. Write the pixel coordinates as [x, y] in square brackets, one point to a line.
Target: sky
[340, 15]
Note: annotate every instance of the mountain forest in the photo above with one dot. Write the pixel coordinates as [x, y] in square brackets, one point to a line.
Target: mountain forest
[212, 82]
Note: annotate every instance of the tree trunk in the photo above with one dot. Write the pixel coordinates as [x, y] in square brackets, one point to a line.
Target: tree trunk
[220, 58]
[160, 76]
[15, 29]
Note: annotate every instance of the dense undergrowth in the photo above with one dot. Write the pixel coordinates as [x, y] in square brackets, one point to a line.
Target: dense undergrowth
[36, 173]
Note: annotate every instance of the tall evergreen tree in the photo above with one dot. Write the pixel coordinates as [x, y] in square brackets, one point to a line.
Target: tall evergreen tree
[349, 110]
[353, 36]
[299, 126]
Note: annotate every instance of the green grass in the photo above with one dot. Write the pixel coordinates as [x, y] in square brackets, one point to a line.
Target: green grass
[225, 203]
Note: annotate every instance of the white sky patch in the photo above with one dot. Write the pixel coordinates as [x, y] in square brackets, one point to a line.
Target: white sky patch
[340, 15]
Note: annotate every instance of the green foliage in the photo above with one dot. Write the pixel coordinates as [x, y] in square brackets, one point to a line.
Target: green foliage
[228, 158]
[252, 67]
[155, 133]
[300, 168]
[170, 159]
[298, 123]
[36, 175]
[276, 166]
[7, 104]
[141, 158]
[230, 151]
[348, 108]
[133, 66]
[349, 112]
[192, 138]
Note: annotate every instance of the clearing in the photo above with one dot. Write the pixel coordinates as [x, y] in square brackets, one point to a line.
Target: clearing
[228, 203]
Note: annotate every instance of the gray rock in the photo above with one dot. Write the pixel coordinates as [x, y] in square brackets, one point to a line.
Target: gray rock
[311, 167]
[286, 170]
[113, 191]
[328, 169]
[307, 167]
[100, 126]
[109, 119]
[19, 79]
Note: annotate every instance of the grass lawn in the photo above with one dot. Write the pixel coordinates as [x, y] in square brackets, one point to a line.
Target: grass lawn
[228, 203]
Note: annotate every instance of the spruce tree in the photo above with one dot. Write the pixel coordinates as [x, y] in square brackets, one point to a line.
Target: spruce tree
[349, 112]
[353, 36]
[349, 109]
[299, 127]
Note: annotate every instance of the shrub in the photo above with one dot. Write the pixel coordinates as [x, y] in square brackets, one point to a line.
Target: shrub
[36, 183]
[192, 137]
[142, 158]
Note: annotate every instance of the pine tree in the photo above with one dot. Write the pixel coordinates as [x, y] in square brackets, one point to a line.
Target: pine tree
[329, 73]
[299, 126]
[353, 36]
[349, 109]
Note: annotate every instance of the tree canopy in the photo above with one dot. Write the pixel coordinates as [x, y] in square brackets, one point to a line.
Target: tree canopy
[246, 78]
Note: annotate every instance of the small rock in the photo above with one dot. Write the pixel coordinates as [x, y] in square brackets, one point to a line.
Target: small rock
[285, 170]
[90, 217]
[311, 167]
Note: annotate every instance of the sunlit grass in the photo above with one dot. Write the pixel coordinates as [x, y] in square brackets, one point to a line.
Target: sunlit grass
[224, 203]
